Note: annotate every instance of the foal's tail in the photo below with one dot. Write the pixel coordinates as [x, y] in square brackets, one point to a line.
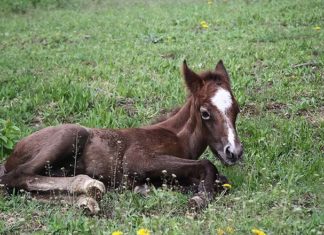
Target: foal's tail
[2, 173]
[2, 170]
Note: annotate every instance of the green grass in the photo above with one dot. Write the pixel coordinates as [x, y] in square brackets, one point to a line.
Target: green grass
[116, 64]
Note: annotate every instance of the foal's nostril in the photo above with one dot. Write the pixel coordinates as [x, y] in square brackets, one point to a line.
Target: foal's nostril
[227, 150]
[231, 155]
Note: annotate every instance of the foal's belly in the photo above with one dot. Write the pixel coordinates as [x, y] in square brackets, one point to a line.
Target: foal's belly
[102, 159]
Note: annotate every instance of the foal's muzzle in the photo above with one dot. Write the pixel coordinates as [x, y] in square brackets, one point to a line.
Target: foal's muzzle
[233, 154]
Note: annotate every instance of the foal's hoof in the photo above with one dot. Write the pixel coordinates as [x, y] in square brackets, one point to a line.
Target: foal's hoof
[83, 184]
[88, 205]
[142, 190]
[197, 202]
[219, 182]
[95, 189]
[3, 190]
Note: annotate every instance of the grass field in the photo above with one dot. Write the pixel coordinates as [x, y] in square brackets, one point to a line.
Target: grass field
[116, 64]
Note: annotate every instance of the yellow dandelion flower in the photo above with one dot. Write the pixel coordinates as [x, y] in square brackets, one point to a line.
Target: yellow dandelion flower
[258, 232]
[117, 232]
[317, 28]
[229, 230]
[220, 231]
[227, 186]
[210, 2]
[204, 24]
[143, 231]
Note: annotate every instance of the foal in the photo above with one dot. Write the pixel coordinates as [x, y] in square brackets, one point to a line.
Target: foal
[84, 161]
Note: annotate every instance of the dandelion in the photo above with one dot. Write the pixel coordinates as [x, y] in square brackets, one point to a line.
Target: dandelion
[317, 28]
[229, 230]
[258, 232]
[220, 231]
[210, 2]
[117, 232]
[143, 231]
[227, 186]
[203, 24]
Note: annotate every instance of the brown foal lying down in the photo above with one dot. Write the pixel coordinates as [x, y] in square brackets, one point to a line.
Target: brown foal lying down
[94, 159]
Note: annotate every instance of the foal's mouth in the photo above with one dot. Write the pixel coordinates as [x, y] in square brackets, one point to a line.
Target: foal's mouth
[224, 159]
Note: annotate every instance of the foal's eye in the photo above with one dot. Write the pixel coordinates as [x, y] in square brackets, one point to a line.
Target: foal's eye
[204, 113]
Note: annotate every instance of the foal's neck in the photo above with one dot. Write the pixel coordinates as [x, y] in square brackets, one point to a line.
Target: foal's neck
[188, 128]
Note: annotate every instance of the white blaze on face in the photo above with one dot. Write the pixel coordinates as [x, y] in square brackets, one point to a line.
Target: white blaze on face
[223, 101]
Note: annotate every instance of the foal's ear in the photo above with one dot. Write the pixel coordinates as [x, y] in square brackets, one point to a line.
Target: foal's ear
[193, 81]
[220, 68]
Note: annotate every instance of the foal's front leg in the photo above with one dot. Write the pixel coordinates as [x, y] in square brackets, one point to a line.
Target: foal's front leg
[193, 172]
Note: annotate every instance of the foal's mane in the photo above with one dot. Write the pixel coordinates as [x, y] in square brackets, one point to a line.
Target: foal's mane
[165, 114]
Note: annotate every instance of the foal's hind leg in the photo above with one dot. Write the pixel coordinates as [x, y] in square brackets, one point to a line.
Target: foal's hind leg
[48, 146]
[82, 190]
[64, 144]
[80, 184]
[41, 150]
[84, 202]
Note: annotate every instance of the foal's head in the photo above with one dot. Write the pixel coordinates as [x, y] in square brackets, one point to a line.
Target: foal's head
[216, 108]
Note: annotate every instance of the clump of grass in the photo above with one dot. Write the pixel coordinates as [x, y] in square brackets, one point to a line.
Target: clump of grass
[9, 135]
